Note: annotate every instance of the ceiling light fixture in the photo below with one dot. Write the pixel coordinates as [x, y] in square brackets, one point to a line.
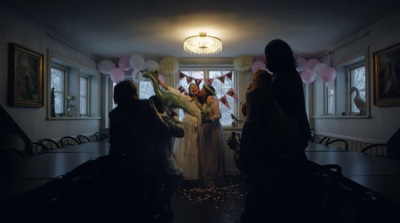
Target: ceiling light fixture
[202, 44]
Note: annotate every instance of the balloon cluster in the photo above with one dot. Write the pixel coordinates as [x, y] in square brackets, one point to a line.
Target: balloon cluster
[126, 63]
[312, 68]
[258, 65]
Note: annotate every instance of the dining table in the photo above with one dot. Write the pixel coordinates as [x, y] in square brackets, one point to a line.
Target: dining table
[21, 176]
[376, 175]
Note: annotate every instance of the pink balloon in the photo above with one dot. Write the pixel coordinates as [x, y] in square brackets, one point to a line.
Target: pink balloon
[327, 74]
[124, 64]
[307, 76]
[258, 65]
[117, 75]
[311, 63]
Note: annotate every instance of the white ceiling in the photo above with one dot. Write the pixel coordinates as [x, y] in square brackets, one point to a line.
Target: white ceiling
[111, 29]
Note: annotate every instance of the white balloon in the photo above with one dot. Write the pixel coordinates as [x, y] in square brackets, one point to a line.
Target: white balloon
[317, 68]
[137, 76]
[300, 63]
[136, 61]
[330, 84]
[151, 65]
[105, 66]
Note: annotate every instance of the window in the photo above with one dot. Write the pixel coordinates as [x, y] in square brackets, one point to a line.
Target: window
[74, 89]
[336, 99]
[356, 76]
[222, 85]
[84, 96]
[146, 89]
[58, 77]
[330, 102]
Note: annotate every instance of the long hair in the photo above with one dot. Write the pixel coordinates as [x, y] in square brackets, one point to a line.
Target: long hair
[279, 56]
[262, 78]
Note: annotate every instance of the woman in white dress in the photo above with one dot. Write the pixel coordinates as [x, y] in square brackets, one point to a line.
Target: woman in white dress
[186, 149]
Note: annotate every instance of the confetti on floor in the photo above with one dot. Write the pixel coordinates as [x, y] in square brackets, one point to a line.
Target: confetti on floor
[222, 203]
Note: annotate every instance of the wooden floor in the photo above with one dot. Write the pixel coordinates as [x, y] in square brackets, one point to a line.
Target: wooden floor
[220, 204]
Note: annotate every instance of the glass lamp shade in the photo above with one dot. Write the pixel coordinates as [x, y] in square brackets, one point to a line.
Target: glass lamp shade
[202, 44]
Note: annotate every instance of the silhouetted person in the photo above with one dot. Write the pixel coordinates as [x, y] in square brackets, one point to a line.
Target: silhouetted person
[288, 89]
[172, 176]
[273, 141]
[134, 129]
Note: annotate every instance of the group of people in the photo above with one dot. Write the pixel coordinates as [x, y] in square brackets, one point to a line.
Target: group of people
[274, 137]
[164, 150]
[200, 153]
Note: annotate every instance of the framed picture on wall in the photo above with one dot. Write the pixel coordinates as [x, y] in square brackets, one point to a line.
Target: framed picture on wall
[25, 79]
[387, 76]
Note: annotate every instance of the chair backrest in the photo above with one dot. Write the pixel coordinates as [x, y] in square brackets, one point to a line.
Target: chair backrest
[100, 136]
[38, 148]
[378, 149]
[7, 153]
[324, 140]
[340, 143]
[49, 144]
[83, 139]
[69, 141]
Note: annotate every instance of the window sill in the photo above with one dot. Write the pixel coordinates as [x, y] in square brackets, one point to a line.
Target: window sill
[72, 118]
[343, 117]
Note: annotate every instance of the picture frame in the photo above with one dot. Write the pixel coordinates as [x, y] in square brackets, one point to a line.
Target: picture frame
[387, 76]
[25, 79]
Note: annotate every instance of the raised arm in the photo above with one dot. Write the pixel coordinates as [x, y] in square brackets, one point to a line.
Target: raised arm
[165, 86]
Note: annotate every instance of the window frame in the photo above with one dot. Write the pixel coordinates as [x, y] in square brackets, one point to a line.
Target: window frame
[326, 101]
[65, 81]
[342, 89]
[87, 104]
[74, 70]
[207, 69]
[348, 70]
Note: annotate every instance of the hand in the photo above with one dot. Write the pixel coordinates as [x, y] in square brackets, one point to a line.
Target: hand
[172, 113]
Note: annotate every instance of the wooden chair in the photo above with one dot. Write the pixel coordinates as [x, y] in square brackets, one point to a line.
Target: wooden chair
[69, 141]
[344, 144]
[38, 148]
[83, 139]
[49, 144]
[379, 149]
[390, 149]
[324, 140]
[7, 153]
[100, 136]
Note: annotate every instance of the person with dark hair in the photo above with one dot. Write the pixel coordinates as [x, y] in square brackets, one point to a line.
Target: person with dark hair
[186, 149]
[134, 127]
[287, 88]
[274, 138]
[212, 153]
[172, 176]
